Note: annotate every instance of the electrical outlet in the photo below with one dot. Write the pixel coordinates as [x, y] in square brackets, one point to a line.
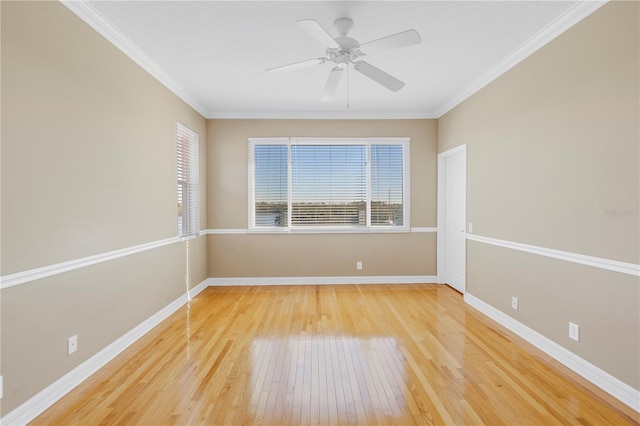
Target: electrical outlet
[514, 303]
[72, 344]
[574, 331]
[470, 228]
[359, 265]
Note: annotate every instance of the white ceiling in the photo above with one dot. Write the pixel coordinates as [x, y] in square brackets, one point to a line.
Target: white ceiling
[214, 54]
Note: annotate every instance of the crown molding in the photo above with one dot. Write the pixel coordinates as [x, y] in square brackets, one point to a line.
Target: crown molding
[324, 115]
[561, 24]
[85, 11]
[95, 20]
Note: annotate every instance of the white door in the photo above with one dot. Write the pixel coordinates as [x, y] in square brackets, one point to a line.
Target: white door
[452, 212]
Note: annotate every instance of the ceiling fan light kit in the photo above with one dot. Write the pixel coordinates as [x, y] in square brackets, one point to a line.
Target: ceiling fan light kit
[344, 50]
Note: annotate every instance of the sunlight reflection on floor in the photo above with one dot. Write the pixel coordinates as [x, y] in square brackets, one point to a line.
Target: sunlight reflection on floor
[319, 377]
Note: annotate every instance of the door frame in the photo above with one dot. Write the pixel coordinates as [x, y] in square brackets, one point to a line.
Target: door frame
[442, 157]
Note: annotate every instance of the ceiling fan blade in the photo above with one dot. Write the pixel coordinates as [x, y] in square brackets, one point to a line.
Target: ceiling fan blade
[318, 32]
[379, 76]
[297, 65]
[333, 81]
[403, 39]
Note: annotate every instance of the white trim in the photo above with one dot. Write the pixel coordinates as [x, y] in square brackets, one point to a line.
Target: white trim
[440, 260]
[406, 182]
[453, 151]
[304, 140]
[605, 381]
[372, 230]
[224, 231]
[367, 173]
[333, 230]
[398, 279]
[424, 229]
[27, 276]
[320, 115]
[23, 277]
[34, 406]
[252, 205]
[569, 18]
[95, 20]
[597, 262]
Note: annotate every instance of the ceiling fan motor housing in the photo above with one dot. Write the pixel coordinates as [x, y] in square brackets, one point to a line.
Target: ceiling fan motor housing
[343, 25]
[349, 47]
[343, 50]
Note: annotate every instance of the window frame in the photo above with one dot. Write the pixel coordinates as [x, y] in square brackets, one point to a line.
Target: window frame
[190, 181]
[368, 142]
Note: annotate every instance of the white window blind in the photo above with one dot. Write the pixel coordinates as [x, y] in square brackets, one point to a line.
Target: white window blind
[387, 182]
[271, 183]
[328, 184]
[188, 181]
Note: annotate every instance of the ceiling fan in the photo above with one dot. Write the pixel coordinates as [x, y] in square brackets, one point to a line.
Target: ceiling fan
[344, 50]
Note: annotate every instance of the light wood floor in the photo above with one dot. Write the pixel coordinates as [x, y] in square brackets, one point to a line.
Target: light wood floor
[376, 354]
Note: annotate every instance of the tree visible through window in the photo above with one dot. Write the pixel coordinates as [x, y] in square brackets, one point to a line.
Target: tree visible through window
[350, 183]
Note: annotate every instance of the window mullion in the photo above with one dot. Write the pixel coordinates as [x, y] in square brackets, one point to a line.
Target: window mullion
[289, 185]
[406, 185]
[252, 186]
[368, 183]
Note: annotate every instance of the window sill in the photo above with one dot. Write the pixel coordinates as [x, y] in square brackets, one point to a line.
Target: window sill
[189, 237]
[333, 230]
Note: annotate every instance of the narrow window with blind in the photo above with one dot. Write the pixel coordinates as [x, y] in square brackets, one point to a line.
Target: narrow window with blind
[271, 199]
[387, 182]
[188, 182]
[328, 185]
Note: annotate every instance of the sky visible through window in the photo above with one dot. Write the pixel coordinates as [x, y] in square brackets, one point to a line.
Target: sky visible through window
[271, 173]
[328, 175]
[386, 173]
[318, 171]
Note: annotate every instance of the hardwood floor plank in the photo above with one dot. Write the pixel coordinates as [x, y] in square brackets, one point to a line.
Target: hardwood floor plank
[333, 355]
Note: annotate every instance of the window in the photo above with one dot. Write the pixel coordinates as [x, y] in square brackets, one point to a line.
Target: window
[188, 185]
[328, 184]
[387, 179]
[271, 199]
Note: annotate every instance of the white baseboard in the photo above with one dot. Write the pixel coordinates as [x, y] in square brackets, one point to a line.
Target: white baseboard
[605, 381]
[37, 404]
[399, 279]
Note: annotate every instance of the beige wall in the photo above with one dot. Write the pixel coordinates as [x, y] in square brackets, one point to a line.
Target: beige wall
[552, 147]
[313, 254]
[88, 166]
